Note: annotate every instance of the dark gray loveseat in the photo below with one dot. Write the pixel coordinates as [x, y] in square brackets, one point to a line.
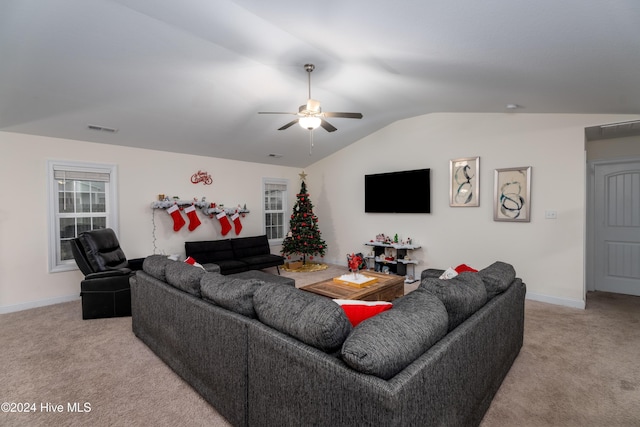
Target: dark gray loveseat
[267, 354]
[235, 255]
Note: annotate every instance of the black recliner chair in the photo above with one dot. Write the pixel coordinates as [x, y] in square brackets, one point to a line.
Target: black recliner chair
[105, 290]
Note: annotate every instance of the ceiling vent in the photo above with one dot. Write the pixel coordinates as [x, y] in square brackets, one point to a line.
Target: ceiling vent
[613, 130]
[102, 128]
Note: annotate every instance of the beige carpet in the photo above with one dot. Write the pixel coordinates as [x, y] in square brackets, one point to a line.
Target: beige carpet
[577, 368]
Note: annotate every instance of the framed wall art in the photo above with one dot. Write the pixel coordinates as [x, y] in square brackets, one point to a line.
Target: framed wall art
[512, 194]
[464, 182]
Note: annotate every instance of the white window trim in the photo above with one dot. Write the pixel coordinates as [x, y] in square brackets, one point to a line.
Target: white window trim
[54, 232]
[285, 208]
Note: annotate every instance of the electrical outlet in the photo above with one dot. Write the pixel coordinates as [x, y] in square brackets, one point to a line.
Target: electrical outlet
[551, 214]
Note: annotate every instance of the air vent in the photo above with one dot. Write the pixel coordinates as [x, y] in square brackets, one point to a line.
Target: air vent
[613, 130]
[102, 128]
[275, 156]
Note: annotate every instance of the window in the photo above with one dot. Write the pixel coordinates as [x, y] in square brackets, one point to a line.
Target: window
[275, 207]
[82, 197]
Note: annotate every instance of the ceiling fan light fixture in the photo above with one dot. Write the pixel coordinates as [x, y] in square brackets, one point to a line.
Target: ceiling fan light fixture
[310, 115]
[309, 122]
[313, 105]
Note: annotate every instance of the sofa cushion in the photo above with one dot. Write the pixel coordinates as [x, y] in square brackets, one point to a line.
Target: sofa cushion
[265, 277]
[431, 272]
[250, 246]
[497, 277]
[184, 277]
[385, 344]
[264, 260]
[230, 266]
[462, 295]
[155, 265]
[211, 268]
[231, 293]
[310, 318]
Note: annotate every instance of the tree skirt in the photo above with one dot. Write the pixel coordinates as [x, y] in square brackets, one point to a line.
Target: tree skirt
[306, 268]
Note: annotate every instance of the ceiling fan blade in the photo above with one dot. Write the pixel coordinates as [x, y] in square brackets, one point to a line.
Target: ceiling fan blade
[327, 126]
[275, 112]
[344, 115]
[288, 125]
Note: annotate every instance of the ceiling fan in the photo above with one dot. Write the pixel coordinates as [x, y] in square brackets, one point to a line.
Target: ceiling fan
[311, 116]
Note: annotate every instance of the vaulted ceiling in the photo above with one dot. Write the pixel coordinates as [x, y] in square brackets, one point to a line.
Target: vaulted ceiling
[190, 76]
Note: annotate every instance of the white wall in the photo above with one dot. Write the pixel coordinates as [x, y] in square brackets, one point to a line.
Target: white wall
[547, 254]
[609, 149]
[143, 174]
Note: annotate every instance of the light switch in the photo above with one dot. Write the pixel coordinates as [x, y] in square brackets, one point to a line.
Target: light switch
[551, 214]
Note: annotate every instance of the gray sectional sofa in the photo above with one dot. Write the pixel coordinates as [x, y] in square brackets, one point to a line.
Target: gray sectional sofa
[267, 354]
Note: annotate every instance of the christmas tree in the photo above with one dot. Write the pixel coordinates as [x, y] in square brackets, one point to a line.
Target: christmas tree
[304, 236]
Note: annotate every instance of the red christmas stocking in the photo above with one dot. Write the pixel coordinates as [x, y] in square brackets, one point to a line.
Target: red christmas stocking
[194, 221]
[224, 222]
[178, 221]
[236, 223]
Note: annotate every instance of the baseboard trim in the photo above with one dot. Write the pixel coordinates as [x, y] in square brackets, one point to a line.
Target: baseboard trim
[35, 304]
[567, 302]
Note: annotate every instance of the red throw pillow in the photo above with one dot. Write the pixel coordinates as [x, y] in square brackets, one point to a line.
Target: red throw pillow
[464, 267]
[357, 311]
[192, 261]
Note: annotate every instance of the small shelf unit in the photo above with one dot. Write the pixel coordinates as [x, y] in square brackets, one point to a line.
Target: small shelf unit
[400, 259]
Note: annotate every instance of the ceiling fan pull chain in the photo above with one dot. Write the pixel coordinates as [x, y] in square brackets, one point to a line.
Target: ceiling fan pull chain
[310, 141]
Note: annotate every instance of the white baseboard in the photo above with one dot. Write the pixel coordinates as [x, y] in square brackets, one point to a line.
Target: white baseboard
[40, 303]
[567, 302]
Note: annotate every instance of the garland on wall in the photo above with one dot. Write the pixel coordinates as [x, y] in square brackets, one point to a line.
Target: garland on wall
[229, 218]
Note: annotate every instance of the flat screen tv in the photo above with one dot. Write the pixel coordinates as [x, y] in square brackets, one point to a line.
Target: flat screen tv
[398, 192]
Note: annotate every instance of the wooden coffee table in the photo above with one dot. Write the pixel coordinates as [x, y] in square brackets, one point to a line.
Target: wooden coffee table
[387, 288]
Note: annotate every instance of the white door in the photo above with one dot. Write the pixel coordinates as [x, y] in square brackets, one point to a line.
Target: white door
[617, 227]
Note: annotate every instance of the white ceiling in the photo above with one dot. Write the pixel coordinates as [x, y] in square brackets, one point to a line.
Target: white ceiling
[191, 75]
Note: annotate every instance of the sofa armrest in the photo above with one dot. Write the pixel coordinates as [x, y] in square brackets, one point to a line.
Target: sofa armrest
[108, 273]
[211, 268]
[135, 264]
[431, 273]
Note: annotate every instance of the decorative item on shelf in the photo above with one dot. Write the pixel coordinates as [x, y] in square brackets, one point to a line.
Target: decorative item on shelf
[166, 203]
[237, 225]
[391, 257]
[224, 223]
[178, 220]
[213, 209]
[194, 221]
[201, 176]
